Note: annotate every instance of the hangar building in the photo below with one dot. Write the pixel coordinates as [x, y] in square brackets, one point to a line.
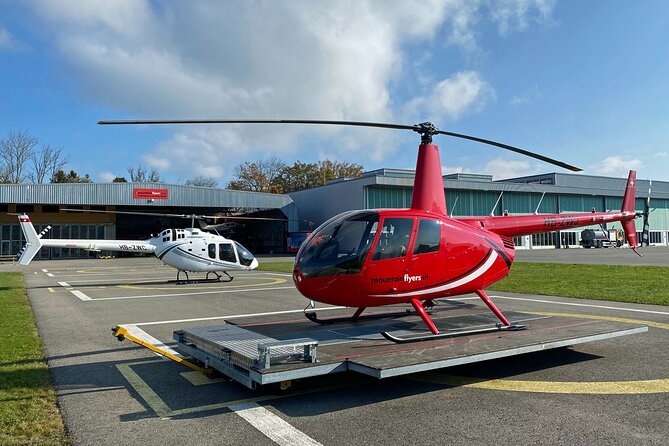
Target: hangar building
[473, 194]
[77, 210]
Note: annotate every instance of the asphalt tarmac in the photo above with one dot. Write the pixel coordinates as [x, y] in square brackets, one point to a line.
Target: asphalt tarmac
[606, 392]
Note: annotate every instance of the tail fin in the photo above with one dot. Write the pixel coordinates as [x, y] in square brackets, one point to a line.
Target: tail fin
[629, 200]
[33, 242]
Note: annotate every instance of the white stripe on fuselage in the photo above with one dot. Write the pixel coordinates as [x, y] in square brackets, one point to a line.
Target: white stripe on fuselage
[449, 286]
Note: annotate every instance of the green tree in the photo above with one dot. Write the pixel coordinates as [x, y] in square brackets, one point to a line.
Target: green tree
[302, 176]
[119, 180]
[72, 177]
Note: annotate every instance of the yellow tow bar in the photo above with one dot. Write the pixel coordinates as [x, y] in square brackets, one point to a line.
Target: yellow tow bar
[121, 332]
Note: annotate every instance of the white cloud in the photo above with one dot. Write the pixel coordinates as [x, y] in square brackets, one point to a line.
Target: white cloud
[268, 59]
[8, 42]
[515, 15]
[615, 165]
[501, 168]
[452, 97]
[527, 96]
[445, 170]
[106, 177]
[661, 154]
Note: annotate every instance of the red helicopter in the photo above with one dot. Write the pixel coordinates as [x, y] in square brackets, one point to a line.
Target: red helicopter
[376, 257]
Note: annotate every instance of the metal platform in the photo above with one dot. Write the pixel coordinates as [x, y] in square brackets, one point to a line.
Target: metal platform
[264, 350]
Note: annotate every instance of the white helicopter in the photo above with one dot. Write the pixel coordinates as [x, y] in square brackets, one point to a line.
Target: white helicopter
[186, 250]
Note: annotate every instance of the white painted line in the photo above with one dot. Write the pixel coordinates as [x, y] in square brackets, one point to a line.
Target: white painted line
[603, 307]
[144, 336]
[272, 426]
[279, 274]
[80, 295]
[245, 290]
[64, 284]
[49, 274]
[45, 270]
[234, 316]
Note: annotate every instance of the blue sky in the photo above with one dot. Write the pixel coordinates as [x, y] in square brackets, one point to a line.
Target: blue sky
[585, 82]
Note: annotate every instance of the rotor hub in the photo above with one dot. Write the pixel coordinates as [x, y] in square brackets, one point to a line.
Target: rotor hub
[426, 131]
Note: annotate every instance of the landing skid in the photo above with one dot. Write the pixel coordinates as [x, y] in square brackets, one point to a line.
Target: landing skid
[207, 279]
[452, 334]
[313, 317]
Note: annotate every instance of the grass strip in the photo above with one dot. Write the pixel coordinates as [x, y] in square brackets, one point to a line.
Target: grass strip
[28, 411]
[619, 283]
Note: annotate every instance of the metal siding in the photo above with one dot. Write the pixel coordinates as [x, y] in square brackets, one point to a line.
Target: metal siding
[106, 194]
[482, 203]
[516, 203]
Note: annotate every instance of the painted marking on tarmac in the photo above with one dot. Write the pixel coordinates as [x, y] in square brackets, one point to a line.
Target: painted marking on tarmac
[584, 388]
[637, 387]
[44, 270]
[232, 316]
[604, 307]
[199, 379]
[64, 284]
[273, 281]
[273, 426]
[80, 295]
[50, 275]
[200, 293]
[266, 422]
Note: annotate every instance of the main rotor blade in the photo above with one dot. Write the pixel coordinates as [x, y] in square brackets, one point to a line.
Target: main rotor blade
[263, 121]
[513, 149]
[155, 214]
[415, 128]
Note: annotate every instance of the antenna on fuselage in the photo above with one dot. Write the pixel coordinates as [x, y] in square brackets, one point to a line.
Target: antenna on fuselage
[536, 211]
[492, 213]
[455, 203]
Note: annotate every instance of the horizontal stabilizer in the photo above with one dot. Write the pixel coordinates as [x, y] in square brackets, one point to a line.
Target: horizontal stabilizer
[33, 242]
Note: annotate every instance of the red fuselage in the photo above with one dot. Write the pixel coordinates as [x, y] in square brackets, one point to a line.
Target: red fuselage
[370, 258]
[435, 257]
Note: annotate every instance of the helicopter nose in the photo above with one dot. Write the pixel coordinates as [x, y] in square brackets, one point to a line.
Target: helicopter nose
[254, 264]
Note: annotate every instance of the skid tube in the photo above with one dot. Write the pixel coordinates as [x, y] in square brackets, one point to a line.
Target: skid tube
[190, 281]
[452, 334]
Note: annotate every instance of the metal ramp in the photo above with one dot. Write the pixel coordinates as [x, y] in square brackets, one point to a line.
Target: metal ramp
[264, 350]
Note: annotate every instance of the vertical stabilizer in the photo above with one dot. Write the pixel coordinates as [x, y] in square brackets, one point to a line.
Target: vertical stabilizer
[629, 201]
[33, 242]
[428, 187]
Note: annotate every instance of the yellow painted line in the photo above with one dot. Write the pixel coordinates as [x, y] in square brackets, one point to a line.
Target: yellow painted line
[200, 379]
[271, 281]
[51, 290]
[584, 388]
[146, 392]
[163, 410]
[661, 325]
[166, 352]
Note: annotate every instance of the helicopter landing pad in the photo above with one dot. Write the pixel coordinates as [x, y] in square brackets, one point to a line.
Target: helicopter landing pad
[359, 346]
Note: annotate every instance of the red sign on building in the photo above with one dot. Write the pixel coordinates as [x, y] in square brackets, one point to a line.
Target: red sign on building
[149, 194]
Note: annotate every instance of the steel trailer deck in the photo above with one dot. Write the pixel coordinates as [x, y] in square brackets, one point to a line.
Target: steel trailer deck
[263, 350]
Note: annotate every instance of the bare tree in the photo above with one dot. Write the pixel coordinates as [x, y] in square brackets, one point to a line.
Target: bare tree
[139, 174]
[47, 162]
[202, 181]
[15, 150]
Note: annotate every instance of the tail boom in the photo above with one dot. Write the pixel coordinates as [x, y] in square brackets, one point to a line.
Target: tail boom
[513, 226]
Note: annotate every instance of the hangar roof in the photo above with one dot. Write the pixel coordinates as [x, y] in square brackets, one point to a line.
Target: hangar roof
[136, 194]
